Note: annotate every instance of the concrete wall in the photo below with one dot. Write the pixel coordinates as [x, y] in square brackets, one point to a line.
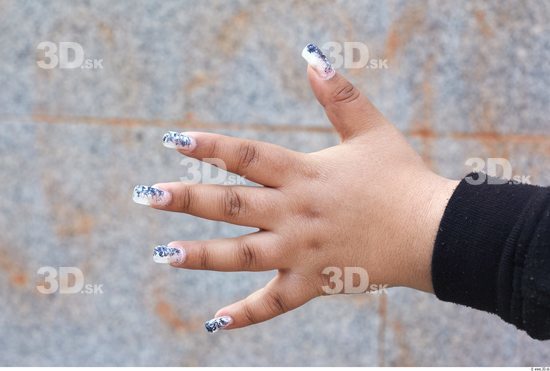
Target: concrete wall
[464, 79]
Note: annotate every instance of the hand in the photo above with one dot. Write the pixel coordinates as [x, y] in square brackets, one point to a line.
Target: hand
[368, 202]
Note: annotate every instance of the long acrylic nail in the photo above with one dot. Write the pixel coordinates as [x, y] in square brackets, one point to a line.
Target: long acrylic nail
[146, 195]
[320, 63]
[168, 255]
[177, 140]
[217, 323]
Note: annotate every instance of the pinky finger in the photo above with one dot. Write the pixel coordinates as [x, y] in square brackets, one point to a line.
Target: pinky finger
[280, 295]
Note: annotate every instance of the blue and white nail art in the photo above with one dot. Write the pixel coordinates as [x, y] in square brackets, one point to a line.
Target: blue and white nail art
[218, 323]
[145, 195]
[166, 254]
[316, 59]
[177, 140]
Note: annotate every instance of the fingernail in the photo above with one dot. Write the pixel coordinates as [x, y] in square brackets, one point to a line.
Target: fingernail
[177, 140]
[168, 255]
[145, 195]
[320, 63]
[217, 323]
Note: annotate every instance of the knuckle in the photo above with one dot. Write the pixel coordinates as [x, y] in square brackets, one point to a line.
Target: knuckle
[312, 167]
[314, 244]
[204, 257]
[232, 203]
[213, 150]
[275, 303]
[312, 211]
[311, 172]
[248, 155]
[345, 94]
[246, 255]
[184, 199]
[249, 314]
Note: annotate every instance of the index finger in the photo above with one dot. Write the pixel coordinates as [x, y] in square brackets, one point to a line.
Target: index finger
[261, 162]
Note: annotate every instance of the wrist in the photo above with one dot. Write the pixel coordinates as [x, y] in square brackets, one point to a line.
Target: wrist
[432, 194]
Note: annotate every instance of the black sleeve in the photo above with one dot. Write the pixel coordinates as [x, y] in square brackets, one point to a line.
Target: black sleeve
[492, 252]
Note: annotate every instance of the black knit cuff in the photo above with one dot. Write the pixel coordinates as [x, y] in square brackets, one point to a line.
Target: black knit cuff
[470, 242]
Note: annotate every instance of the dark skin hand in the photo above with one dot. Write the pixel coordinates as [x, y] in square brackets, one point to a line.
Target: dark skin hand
[368, 202]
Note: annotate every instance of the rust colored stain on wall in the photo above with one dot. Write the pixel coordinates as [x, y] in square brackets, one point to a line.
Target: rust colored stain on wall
[484, 27]
[191, 122]
[11, 266]
[78, 225]
[231, 33]
[175, 320]
[411, 21]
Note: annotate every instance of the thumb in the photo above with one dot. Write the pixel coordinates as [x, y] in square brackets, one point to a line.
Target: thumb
[350, 112]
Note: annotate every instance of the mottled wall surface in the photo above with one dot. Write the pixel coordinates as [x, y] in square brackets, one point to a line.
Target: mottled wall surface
[464, 79]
